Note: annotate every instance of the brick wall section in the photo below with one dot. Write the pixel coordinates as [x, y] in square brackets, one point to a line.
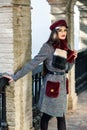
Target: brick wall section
[6, 38]
[15, 50]
[58, 9]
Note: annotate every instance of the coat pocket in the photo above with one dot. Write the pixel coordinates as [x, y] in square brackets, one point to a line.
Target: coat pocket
[52, 89]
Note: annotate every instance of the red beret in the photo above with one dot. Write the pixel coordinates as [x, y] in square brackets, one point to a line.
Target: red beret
[58, 24]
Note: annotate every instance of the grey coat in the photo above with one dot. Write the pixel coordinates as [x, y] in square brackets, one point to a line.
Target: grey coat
[53, 106]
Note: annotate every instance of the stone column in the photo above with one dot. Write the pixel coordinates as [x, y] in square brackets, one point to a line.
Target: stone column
[64, 10]
[15, 51]
[58, 9]
[82, 5]
[72, 97]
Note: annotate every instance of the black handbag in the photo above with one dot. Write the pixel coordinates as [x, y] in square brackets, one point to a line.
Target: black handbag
[59, 59]
[59, 62]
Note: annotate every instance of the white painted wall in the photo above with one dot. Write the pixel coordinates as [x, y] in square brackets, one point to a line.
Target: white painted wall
[40, 20]
[76, 28]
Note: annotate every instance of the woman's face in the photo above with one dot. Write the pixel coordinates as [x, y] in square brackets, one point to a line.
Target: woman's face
[62, 32]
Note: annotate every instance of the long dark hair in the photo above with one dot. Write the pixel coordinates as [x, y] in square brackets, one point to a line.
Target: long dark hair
[53, 38]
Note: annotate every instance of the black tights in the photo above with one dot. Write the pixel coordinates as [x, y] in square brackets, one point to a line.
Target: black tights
[61, 125]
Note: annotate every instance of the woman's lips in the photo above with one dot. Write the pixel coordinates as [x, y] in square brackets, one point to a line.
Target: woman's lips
[62, 35]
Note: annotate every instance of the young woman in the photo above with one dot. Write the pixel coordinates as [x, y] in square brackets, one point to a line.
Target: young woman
[53, 96]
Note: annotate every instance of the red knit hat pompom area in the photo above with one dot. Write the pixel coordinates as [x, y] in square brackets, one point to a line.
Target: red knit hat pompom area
[58, 24]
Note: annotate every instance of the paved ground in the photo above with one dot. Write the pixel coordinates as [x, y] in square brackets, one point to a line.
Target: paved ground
[78, 119]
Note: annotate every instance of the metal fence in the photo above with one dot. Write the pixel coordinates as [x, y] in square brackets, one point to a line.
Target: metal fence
[81, 71]
[3, 121]
[36, 85]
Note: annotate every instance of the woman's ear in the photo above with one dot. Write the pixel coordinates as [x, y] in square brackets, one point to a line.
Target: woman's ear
[55, 35]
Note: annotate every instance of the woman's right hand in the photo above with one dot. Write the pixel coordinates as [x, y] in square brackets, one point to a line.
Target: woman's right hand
[8, 77]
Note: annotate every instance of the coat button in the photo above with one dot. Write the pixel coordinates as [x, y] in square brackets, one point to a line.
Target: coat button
[52, 90]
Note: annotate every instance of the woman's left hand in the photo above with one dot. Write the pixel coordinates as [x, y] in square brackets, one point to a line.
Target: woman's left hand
[75, 54]
[8, 77]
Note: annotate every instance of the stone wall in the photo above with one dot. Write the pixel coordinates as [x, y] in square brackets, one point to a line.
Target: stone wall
[82, 6]
[15, 51]
[58, 9]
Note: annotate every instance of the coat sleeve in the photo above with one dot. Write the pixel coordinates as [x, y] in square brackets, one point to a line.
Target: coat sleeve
[39, 58]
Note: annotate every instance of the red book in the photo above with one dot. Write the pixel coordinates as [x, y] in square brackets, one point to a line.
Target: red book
[70, 56]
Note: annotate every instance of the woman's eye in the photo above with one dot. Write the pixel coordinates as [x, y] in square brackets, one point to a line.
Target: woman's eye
[60, 30]
[65, 30]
